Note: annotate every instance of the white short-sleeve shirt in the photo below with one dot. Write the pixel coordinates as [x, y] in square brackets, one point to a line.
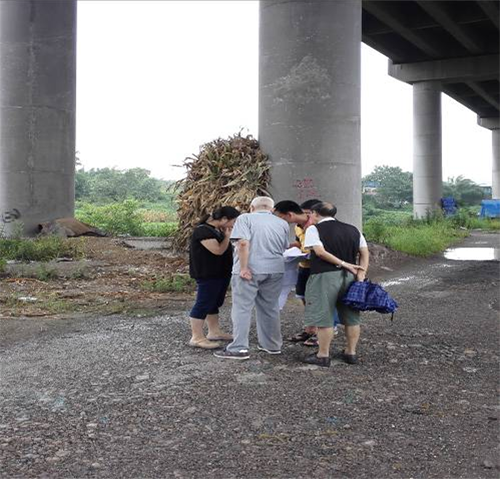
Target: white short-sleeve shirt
[312, 236]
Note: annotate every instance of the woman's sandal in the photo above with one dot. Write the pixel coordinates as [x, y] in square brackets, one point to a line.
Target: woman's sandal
[300, 337]
[204, 344]
[311, 341]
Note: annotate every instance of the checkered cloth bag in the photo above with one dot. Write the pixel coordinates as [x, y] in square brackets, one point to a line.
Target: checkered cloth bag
[368, 296]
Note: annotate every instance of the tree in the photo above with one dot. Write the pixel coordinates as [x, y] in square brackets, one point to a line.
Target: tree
[394, 186]
[105, 185]
[465, 191]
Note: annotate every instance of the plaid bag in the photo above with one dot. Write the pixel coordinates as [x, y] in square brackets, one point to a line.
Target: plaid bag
[368, 296]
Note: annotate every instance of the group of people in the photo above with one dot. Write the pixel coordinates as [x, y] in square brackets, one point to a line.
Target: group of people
[246, 251]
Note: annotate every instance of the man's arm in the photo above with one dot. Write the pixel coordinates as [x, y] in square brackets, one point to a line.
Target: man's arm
[321, 252]
[364, 260]
[243, 256]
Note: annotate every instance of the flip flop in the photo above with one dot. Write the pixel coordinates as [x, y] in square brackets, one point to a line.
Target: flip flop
[300, 337]
[222, 337]
[312, 341]
[204, 344]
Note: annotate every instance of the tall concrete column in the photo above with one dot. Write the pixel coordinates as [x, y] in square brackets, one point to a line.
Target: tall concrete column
[309, 101]
[495, 181]
[37, 111]
[427, 148]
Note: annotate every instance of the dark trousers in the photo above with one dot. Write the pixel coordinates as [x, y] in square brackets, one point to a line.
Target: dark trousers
[210, 295]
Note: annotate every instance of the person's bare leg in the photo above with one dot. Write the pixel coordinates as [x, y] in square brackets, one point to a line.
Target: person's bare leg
[325, 336]
[198, 338]
[214, 331]
[352, 334]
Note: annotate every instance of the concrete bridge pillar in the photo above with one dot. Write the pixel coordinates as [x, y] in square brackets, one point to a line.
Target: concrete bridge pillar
[427, 148]
[495, 183]
[37, 111]
[309, 101]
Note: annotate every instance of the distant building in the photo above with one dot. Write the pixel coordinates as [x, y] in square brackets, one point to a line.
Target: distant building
[370, 187]
[487, 191]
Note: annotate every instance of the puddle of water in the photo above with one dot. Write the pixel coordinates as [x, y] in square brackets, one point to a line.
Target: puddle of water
[396, 281]
[473, 254]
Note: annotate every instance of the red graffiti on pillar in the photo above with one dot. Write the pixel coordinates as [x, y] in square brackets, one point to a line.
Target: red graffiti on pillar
[306, 189]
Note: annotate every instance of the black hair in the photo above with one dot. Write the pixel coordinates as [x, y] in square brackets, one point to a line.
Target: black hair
[287, 206]
[223, 212]
[309, 203]
[324, 209]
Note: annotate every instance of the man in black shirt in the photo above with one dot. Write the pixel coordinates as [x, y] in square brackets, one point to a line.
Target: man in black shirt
[335, 249]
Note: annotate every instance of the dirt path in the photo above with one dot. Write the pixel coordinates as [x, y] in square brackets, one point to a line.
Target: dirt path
[123, 397]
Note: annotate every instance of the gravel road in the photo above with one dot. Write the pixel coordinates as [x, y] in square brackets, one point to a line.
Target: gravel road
[116, 397]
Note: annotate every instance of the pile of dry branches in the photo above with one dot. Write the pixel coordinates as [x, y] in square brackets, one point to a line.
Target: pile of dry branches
[226, 172]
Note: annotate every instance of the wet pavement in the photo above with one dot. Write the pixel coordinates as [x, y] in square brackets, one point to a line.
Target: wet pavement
[124, 397]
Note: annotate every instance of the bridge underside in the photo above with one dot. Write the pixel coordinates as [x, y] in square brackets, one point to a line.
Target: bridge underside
[440, 46]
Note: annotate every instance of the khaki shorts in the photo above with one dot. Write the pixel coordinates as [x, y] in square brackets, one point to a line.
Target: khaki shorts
[323, 293]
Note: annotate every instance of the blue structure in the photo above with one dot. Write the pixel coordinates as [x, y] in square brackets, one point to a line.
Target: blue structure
[449, 206]
[490, 209]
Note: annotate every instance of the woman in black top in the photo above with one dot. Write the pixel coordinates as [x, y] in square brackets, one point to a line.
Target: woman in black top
[210, 264]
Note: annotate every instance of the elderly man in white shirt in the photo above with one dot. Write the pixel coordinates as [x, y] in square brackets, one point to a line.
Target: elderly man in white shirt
[335, 249]
[261, 239]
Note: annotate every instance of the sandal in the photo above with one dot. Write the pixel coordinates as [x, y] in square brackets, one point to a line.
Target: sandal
[221, 337]
[312, 341]
[204, 344]
[300, 337]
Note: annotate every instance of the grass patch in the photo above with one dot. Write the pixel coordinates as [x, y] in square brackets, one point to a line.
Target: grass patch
[44, 248]
[176, 283]
[417, 238]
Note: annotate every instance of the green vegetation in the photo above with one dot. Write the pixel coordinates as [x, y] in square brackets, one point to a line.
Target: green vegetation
[417, 238]
[43, 248]
[126, 218]
[175, 283]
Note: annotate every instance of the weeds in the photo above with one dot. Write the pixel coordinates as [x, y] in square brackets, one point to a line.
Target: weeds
[176, 283]
[43, 272]
[416, 237]
[44, 248]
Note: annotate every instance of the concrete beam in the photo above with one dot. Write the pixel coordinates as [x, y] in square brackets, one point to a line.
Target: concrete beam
[453, 70]
[400, 28]
[438, 13]
[491, 9]
[484, 94]
[492, 123]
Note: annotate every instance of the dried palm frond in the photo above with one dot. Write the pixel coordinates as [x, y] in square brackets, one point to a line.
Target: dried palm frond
[226, 172]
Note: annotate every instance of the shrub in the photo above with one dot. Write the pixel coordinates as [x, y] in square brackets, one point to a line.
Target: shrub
[115, 219]
[159, 229]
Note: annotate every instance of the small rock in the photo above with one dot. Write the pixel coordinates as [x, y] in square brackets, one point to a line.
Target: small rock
[488, 464]
[142, 377]
[369, 443]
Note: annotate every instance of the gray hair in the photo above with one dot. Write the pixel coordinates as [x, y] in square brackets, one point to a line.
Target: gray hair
[262, 203]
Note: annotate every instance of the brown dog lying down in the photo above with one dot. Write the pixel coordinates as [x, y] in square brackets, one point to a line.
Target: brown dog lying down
[68, 228]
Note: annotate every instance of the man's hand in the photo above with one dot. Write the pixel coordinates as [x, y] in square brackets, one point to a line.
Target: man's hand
[245, 274]
[361, 275]
[355, 269]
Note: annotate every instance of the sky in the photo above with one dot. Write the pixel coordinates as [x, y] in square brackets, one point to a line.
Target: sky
[157, 79]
